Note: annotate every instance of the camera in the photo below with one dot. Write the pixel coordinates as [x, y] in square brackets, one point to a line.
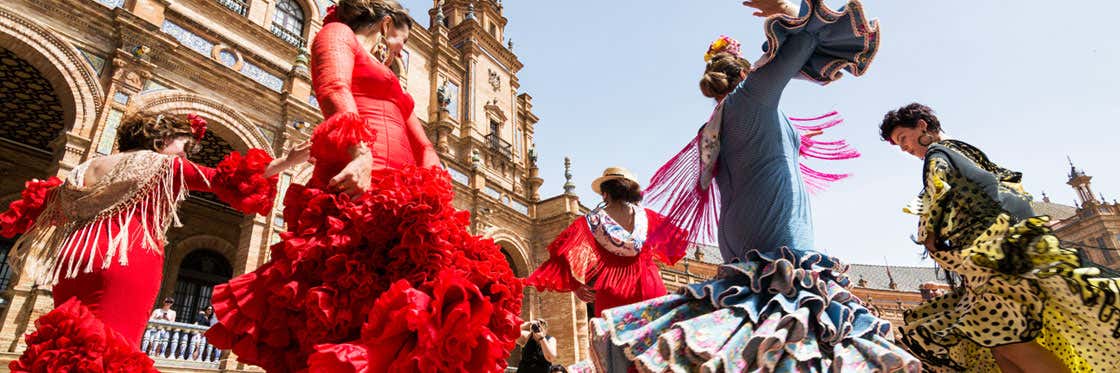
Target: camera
[535, 327]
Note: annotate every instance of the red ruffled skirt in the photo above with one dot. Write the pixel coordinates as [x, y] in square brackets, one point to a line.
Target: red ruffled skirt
[71, 339]
[389, 281]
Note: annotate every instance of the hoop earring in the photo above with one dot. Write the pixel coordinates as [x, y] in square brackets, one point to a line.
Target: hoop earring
[926, 139]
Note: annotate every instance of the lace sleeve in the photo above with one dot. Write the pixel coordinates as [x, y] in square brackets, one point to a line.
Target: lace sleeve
[332, 67]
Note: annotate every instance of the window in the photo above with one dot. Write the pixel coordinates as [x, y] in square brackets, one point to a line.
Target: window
[287, 23]
[495, 128]
[199, 272]
[5, 268]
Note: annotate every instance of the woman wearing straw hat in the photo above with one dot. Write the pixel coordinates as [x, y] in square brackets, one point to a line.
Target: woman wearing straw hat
[604, 256]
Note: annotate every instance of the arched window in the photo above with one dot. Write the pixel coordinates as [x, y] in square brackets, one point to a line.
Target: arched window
[287, 23]
[199, 272]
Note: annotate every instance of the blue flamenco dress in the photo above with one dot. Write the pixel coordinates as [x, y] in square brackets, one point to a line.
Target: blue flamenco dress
[775, 305]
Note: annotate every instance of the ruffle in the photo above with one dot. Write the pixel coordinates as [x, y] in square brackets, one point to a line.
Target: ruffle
[333, 138]
[21, 213]
[240, 182]
[847, 40]
[577, 258]
[71, 339]
[789, 311]
[943, 331]
[326, 294]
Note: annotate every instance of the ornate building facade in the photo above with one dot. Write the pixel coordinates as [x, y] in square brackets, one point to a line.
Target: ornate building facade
[70, 69]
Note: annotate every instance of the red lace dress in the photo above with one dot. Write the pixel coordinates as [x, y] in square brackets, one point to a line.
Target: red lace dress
[386, 281]
[619, 274]
[101, 246]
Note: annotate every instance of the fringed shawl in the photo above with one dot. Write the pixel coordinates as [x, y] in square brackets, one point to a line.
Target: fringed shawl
[77, 219]
[682, 189]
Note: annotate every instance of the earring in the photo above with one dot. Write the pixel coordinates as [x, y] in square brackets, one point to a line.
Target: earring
[926, 139]
[381, 50]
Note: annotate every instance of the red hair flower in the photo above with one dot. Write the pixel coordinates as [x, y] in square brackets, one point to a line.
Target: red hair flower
[198, 126]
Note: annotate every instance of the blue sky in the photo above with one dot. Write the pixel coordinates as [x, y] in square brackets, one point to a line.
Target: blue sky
[615, 83]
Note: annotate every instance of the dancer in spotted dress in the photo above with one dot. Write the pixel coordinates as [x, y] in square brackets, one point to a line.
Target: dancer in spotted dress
[775, 305]
[1026, 304]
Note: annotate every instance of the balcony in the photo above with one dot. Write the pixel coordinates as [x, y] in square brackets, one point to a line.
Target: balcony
[238, 6]
[179, 345]
[500, 146]
[287, 36]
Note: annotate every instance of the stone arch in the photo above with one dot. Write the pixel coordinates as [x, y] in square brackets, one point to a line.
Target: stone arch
[223, 120]
[173, 256]
[196, 242]
[515, 247]
[75, 82]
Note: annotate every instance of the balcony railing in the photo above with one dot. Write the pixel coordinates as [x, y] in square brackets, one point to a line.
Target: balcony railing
[236, 5]
[179, 344]
[287, 36]
[503, 147]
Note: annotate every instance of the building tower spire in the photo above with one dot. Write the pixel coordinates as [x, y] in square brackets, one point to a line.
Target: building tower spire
[1081, 184]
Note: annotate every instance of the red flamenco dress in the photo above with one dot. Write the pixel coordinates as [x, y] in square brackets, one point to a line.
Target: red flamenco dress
[389, 280]
[101, 247]
[619, 264]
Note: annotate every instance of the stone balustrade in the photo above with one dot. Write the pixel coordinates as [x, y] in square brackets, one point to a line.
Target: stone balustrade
[173, 344]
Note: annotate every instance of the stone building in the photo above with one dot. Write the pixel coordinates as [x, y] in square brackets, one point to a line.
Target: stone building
[70, 69]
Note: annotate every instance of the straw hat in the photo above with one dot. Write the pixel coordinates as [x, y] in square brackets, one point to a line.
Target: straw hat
[612, 173]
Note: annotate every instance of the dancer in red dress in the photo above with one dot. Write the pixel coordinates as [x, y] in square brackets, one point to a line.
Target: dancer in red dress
[604, 256]
[377, 271]
[98, 238]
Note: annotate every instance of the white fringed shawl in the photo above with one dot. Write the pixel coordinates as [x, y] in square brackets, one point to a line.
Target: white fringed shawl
[63, 242]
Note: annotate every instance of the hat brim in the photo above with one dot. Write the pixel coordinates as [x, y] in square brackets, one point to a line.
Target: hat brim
[595, 185]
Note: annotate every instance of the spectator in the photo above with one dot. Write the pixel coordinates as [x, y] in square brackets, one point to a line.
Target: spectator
[538, 349]
[205, 318]
[164, 314]
[557, 368]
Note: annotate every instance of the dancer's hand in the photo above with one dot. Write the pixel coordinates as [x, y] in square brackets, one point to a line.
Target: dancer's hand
[299, 154]
[767, 8]
[586, 294]
[355, 177]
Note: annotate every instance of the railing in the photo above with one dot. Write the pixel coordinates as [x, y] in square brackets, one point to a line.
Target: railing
[179, 344]
[236, 5]
[501, 146]
[287, 36]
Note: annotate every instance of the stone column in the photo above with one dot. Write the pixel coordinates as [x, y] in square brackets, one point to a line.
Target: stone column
[253, 244]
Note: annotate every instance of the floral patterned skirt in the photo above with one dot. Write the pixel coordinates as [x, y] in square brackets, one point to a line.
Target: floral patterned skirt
[782, 312]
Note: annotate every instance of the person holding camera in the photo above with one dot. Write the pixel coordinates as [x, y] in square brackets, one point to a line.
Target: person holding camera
[538, 349]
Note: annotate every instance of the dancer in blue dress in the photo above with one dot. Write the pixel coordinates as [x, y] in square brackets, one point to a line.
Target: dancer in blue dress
[775, 305]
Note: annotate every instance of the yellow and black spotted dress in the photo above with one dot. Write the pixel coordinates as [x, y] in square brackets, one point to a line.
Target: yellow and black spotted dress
[1019, 285]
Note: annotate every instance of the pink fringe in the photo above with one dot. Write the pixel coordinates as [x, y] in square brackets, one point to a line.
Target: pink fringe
[674, 191]
[817, 181]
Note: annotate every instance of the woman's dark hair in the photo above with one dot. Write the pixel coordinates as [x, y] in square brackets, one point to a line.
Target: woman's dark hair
[907, 117]
[622, 190]
[359, 14]
[147, 131]
[558, 368]
[722, 74]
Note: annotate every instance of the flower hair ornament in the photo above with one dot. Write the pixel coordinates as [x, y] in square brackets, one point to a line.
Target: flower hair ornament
[723, 44]
[198, 126]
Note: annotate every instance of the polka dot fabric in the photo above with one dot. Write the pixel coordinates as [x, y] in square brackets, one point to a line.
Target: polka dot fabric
[1019, 285]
